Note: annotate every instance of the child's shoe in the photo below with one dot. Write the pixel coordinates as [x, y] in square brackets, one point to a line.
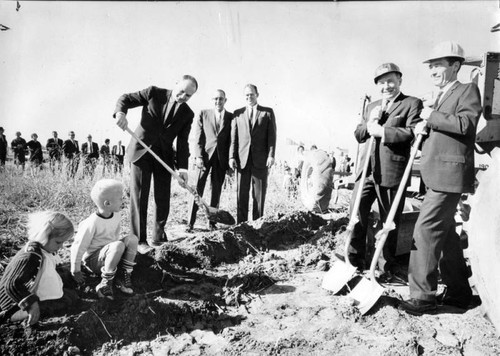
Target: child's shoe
[105, 288]
[124, 283]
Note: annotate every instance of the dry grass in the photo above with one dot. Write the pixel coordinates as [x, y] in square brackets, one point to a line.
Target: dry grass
[23, 193]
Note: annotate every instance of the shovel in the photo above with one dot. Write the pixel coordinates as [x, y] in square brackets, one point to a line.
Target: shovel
[213, 214]
[368, 290]
[342, 271]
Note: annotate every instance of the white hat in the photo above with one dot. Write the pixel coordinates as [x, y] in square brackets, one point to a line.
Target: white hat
[446, 49]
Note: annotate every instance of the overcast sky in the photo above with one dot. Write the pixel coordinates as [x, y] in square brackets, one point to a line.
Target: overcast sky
[64, 64]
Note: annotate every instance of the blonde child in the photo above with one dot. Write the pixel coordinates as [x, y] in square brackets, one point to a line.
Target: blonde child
[30, 281]
[98, 243]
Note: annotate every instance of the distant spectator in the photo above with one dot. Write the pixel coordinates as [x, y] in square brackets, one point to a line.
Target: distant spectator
[30, 287]
[106, 156]
[3, 149]
[118, 153]
[72, 153]
[90, 151]
[36, 154]
[299, 161]
[18, 146]
[334, 161]
[313, 148]
[54, 147]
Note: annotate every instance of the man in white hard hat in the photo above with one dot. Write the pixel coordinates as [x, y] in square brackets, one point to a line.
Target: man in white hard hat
[447, 168]
[390, 121]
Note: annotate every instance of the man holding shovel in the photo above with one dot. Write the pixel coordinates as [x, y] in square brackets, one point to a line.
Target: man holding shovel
[390, 121]
[165, 117]
[447, 168]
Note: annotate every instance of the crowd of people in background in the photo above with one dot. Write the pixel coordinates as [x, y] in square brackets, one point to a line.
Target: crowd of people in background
[59, 154]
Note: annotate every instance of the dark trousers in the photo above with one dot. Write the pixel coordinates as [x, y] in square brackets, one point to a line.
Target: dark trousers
[140, 184]
[436, 243]
[217, 175]
[257, 178]
[385, 197]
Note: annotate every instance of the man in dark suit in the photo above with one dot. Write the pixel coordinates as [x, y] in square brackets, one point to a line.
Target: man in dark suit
[18, 146]
[390, 121]
[165, 117]
[118, 154]
[3, 149]
[253, 143]
[54, 147]
[212, 137]
[71, 151]
[90, 151]
[447, 169]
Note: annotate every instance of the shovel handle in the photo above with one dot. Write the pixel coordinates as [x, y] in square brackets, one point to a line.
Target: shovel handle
[389, 223]
[167, 167]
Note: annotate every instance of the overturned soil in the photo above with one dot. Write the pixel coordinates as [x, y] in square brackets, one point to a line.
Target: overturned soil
[253, 289]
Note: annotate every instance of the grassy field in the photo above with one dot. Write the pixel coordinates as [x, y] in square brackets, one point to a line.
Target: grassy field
[24, 192]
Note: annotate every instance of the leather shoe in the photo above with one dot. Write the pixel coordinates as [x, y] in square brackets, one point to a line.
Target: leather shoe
[418, 306]
[143, 248]
[158, 242]
[189, 228]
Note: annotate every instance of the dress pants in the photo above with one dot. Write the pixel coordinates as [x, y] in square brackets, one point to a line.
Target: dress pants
[257, 178]
[140, 184]
[384, 196]
[217, 175]
[436, 243]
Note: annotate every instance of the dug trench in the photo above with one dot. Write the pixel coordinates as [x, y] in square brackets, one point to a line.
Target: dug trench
[200, 282]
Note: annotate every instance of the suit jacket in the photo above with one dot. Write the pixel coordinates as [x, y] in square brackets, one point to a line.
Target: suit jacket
[70, 149]
[388, 159]
[447, 162]
[208, 140]
[152, 128]
[114, 151]
[260, 141]
[86, 150]
[3, 144]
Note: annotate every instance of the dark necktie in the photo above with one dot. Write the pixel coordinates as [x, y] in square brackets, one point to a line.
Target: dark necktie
[170, 115]
[436, 103]
[251, 117]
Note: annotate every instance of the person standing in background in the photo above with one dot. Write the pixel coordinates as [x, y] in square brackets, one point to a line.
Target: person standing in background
[251, 154]
[212, 137]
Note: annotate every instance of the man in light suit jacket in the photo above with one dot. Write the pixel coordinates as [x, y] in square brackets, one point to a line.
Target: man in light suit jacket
[90, 151]
[390, 121]
[253, 143]
[212, 137]
[118, 154]
[72, 153]
[165, 117]
[447, 169]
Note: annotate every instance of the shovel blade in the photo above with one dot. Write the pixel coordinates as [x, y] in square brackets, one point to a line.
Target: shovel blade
[337, 277]
[365, 294]
[220, 216]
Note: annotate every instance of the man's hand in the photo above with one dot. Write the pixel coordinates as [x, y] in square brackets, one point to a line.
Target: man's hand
[232, 164]
[421, 128]
[78, 277]
[199, 163]
[121, 120]
[426, 113]
[270, 162]
[374, 129]
[33, 313]
[428, 99]
[184, 177]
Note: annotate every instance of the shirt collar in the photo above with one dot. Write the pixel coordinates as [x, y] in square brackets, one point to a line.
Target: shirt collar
[447, 87]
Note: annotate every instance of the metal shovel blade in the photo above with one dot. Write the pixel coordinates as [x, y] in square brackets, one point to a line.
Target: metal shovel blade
[338, 276]
[365, 294]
